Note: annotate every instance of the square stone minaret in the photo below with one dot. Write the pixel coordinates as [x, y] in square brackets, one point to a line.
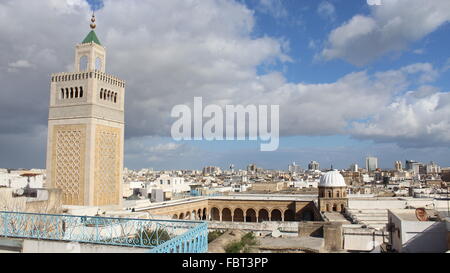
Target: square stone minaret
[86, 130]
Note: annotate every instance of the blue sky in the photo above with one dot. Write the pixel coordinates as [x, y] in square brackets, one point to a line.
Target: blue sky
[351, 80]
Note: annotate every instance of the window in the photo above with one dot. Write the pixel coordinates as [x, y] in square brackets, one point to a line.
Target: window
[83, 63]
[81, 91]
[98, 64]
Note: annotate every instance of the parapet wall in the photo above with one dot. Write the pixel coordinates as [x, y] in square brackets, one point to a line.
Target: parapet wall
[331, 232]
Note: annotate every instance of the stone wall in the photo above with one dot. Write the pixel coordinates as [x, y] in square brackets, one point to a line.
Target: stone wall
[363, 239]
[331, 232]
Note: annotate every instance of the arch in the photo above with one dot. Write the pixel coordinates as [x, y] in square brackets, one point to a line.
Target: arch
[330, 194]
[338, 193]
[342, 207]
[250, 215]
[115, 98]
[76, 92]
[71, 93]
[174, 216]
[215, 214]
[188, 215]
[275, 215]
[205, 214]
[109, 95]
[334, 207]
[238, 215]
[62, 94]
[199, 214]
[307, 215]
[226, 215]
[101, 93]
[289, 215]
[181, 216]
[81, 91]
[67, 93]
[263, 215]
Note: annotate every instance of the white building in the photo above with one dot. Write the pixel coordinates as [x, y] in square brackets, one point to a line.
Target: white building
[294, 168]
[407, 234]
[433, 168]
[170, 184]
[304, 184]
[20, 180]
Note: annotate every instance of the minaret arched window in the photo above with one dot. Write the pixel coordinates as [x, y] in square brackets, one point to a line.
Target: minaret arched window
[115, 98]
[61, 96]
[67, 93]
[81, 91]
[76, 92]
[101, 93]
[71, 93]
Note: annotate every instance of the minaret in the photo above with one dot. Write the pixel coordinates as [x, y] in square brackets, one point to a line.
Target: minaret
[86, 129]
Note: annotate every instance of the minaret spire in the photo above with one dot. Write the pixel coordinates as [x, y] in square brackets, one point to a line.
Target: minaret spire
[93, 25]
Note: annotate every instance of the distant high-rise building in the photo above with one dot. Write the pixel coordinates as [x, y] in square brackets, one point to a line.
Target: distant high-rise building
[294, 168]
[212, 170]
[371, 164]
[433, 168]
[354, 167]
[314, 166]
[415, 167]
[398, 166]
[409, 164]
[252, 168]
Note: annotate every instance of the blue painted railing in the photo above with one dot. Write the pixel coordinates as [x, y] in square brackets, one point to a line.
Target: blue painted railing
[159, 236]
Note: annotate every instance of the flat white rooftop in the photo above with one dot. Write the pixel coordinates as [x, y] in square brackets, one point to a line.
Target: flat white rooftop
[270, 197]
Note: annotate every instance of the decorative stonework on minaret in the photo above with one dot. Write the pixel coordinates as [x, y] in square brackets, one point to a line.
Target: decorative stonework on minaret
[86, 129]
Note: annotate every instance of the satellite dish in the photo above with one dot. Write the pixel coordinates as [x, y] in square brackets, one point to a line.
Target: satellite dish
[421, 214]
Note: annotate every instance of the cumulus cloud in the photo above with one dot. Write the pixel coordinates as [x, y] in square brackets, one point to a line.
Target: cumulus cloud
[172, 51]
[275, 8]
[327, 10]
[390, 27]
[420, 118]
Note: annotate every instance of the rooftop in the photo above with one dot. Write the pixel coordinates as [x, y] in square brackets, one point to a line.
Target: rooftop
[91, 38]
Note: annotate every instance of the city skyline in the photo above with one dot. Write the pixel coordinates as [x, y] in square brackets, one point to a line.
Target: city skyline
[338, 106]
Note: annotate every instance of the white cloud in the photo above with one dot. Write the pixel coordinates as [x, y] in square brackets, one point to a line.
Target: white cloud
[390, 27]
[419, 119]
[327, 10]
[170, 51]
[274, 7]
[20, 64]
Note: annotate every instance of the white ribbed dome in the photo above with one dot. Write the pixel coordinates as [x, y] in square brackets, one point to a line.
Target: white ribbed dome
[332, 179]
